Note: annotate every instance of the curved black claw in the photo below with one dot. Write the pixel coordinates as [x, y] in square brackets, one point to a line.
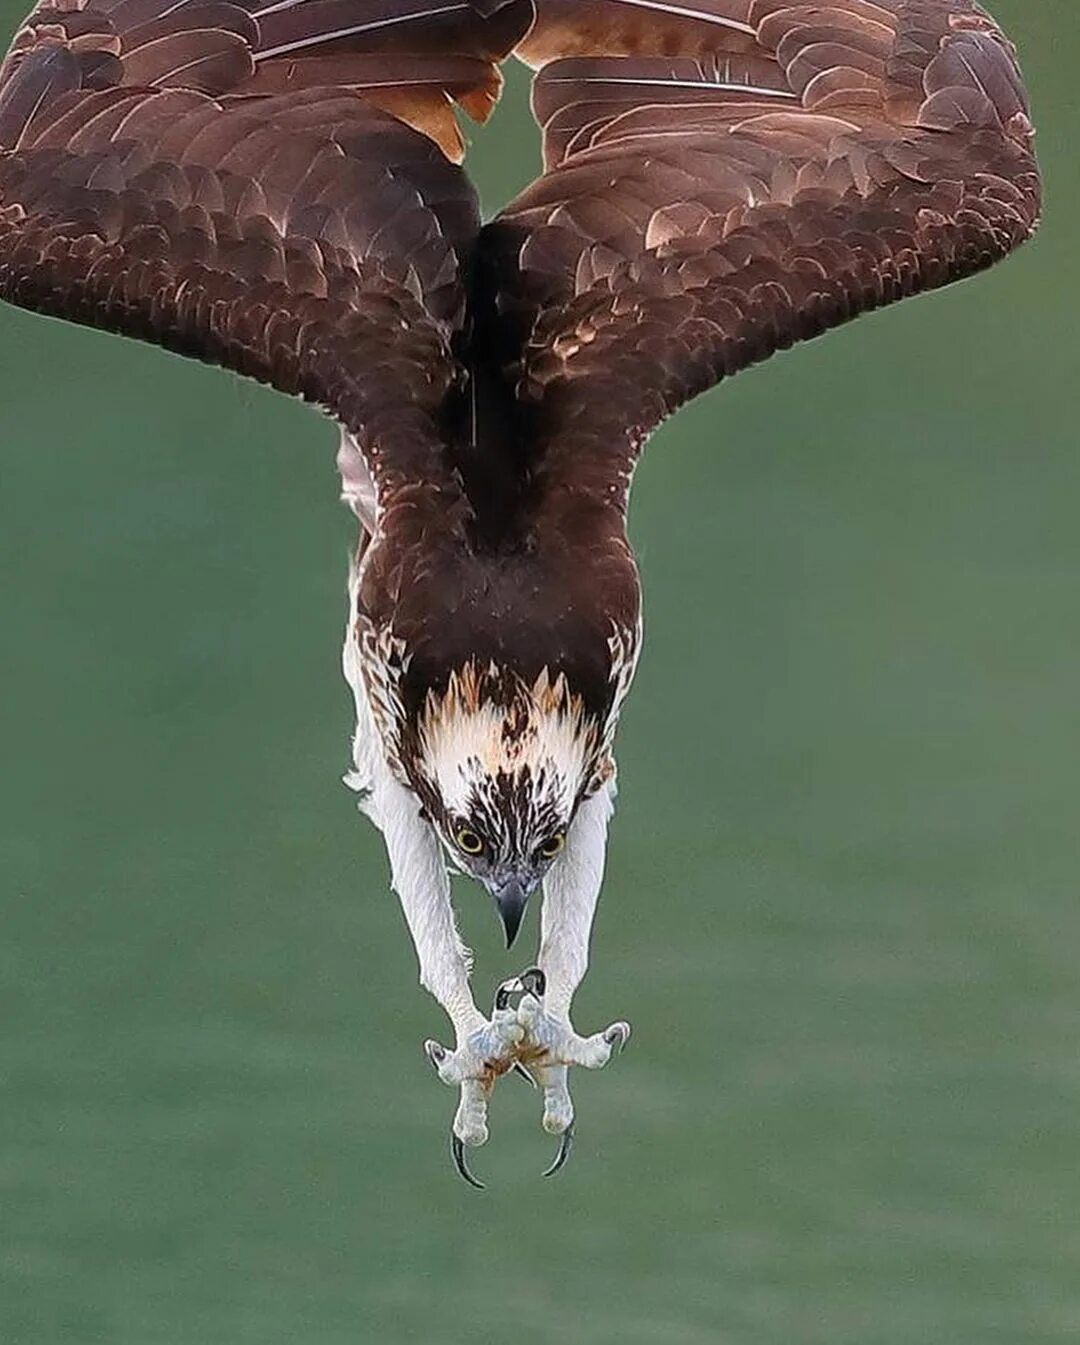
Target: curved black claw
[617, 1035]
[565, 1147]
[435, 1053]
[534, 982]
[510, 993]
[457, 1152]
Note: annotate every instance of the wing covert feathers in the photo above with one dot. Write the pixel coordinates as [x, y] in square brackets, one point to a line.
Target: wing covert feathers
[263, 184]
[727, 177]
[272, 185]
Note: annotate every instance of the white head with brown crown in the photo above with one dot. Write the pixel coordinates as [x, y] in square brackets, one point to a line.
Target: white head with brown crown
[501, 766]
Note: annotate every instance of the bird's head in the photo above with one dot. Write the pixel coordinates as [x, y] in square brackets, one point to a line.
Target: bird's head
[501, 767]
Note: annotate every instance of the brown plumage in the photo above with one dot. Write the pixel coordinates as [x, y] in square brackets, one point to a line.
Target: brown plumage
[269, 186]
[273, 186]
[738, 183]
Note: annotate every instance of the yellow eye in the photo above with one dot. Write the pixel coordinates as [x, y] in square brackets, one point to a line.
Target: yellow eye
[553, 845]
[468, 842]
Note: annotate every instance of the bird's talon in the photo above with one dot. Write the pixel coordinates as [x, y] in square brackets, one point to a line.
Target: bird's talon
[617, 1035]
[534, 982]
[457, 1152]
[565, 1146]
[436, 1053]
[510, 994]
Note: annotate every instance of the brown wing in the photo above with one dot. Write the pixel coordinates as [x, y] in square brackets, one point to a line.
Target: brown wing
[727, 177]
[263, 184]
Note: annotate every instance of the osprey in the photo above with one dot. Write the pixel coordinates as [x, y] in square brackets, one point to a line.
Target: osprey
[274, 186]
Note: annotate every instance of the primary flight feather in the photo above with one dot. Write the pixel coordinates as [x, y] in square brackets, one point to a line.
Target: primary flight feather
[274, 186]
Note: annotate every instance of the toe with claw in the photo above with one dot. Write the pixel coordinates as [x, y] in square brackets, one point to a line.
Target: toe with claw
[485, 1054]
[565, 1146]
[555, 1041]
[524, 1038]
[549, 1047]
[457, 1153]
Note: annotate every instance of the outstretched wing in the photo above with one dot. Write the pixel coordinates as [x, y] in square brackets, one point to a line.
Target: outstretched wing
[727, 177]
[264, 184]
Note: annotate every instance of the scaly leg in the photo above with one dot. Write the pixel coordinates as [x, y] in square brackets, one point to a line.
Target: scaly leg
[551, 1044]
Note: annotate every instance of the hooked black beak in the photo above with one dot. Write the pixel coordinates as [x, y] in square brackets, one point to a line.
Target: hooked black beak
[511, 898]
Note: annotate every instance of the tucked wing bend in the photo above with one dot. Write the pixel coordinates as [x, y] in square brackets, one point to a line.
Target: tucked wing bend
[727, 177]
[265, 184]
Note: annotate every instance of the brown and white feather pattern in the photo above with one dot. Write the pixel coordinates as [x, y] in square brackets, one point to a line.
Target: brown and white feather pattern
[273, 185]
[266, 185]
[727, 177]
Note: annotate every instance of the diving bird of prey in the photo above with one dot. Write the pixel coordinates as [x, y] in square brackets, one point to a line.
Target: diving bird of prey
[275, 186]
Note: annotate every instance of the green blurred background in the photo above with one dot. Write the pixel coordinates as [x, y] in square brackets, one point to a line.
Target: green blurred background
[842, 906]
